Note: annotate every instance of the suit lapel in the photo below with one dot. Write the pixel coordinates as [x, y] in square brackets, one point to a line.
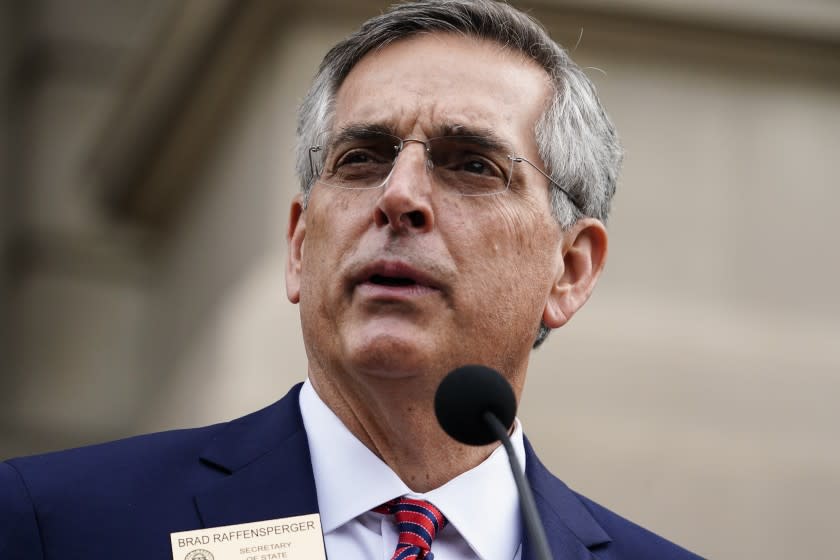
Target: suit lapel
[570, 528]
[266, 457]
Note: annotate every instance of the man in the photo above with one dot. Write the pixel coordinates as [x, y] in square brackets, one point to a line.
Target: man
[457, 170]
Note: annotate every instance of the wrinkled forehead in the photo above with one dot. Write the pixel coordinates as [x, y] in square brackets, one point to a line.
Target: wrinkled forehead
[431, 83]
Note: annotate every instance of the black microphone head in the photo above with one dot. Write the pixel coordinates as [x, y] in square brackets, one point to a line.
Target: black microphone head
[463, 397]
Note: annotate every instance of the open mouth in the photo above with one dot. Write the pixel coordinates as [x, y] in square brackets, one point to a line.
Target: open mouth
[391, 280]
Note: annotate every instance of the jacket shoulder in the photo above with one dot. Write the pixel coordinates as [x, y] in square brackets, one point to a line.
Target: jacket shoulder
[20, 535]
[90, 501]
[64, 493]
[157, 457]
[630, 540]
[89, 463]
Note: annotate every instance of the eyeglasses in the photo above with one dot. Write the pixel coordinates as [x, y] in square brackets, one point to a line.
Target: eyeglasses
[466, 165]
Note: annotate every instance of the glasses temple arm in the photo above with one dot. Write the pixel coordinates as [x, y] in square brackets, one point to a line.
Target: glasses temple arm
[551, 179]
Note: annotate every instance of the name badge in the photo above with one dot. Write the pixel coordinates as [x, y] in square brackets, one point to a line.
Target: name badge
[291, 538]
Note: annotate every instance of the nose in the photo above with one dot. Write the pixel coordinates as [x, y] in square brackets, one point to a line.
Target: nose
[405, 204]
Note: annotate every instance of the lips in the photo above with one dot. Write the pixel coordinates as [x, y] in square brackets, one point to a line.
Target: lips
[394, 278]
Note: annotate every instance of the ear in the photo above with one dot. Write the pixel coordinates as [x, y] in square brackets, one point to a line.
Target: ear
[294, 240]
[583, 255]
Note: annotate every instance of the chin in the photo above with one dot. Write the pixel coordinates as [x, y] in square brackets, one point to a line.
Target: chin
[391, 356]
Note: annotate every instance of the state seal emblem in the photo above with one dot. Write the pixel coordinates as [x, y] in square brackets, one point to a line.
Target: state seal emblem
[199, 554]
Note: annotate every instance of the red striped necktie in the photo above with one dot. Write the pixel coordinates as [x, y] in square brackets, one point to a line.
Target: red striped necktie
[418, 522]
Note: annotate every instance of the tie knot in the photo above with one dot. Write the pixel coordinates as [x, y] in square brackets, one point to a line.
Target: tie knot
[418, 522]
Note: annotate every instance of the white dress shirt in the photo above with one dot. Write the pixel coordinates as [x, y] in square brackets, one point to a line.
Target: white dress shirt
[482, 504]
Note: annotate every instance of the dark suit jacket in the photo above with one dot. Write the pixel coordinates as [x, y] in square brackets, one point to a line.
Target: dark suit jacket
[123, 499]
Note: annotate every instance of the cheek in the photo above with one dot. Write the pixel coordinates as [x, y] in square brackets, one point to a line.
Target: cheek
[332, 221]
[526, 235]
[321, 252]
[511, 260]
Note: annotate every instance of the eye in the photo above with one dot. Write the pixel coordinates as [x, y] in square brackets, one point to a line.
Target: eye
[364, 153]
[473, 164]
[466, 156]
[357, 156]
[477, 165]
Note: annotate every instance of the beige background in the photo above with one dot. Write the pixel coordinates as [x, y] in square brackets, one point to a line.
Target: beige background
[146, 174]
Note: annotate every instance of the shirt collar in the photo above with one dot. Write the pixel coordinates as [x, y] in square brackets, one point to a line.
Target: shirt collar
[482, 503]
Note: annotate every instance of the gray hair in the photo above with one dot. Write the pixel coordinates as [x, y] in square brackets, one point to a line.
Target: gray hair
[577, 142]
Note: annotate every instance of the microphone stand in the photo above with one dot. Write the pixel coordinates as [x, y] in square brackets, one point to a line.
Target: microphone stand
[530, 515]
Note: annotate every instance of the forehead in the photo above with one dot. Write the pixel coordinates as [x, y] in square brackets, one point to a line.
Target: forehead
[425, 83]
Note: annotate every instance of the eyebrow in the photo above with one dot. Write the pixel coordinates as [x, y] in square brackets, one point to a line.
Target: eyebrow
[357, 131]
[484, 137]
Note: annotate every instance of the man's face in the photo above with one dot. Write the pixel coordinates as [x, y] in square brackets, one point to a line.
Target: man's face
[477, 271]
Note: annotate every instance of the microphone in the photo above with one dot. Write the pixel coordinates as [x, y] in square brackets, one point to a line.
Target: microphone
[475, 405]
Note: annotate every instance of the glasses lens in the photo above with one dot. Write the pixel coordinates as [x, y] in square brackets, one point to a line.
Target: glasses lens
[363, 159]
[358, 160]
[470, 165]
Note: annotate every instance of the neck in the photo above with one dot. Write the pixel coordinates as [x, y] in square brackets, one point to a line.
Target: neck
[395, 419]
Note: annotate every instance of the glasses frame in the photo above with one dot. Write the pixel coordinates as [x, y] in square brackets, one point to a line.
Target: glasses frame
[426, 145]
